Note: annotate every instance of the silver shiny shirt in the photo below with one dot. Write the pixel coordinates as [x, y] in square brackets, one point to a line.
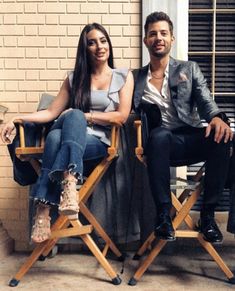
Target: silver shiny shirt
[163, 100]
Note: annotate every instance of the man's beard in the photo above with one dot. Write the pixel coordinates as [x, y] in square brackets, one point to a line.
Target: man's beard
[160, 54]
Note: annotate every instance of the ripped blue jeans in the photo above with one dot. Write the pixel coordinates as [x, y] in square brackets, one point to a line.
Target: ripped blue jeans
[67, 146]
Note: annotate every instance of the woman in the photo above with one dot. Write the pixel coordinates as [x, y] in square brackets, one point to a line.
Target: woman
[90, 97]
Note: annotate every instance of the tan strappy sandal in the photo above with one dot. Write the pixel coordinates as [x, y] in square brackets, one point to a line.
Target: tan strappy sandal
[69, 203]
[41, 230]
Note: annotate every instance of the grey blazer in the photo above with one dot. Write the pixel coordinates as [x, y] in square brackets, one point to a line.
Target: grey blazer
[189, 92]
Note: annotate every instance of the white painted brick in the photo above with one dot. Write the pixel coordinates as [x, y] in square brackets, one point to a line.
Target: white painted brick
[32, 75]
[11, 86]
[52, 41]
[9, 19]
[30, 19]
[52, 64]
[30, 8]
[12, 75]
[136, 41]
[74, 30]
[69, 42]
[73, 7]
[52, 30]
[132, 53]
[31, 41]
[72, 19]
[117, 53]
[11, 96]
[28, 64]
[115, 8]
[119, 1]
[38, 86]
[72, 52]
[90, 8]
[53, 86]
[121, 42]
[32, 97]
[31, 30]
[67, 64]
[131, 8]
[136, 20]
[115, 19]
[115, 31]
[132, 30]
[52, 19]
[27, 107]
[11, 53]
[11, 8]
[11, 30]
[31, 53]
[10, 63]
[52, 75]
[94, 18]
[49, 8]
[122, 63]
[135, 63]
[12, 108]
[52, 53]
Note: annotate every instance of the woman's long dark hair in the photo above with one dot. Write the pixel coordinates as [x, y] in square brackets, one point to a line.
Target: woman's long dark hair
[81, 84]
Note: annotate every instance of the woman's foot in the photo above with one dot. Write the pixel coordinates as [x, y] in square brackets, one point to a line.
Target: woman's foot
[41, 230]
[69, 198]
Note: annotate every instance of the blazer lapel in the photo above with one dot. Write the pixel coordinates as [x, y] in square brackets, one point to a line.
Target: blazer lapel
[140, 82]
[173, 78]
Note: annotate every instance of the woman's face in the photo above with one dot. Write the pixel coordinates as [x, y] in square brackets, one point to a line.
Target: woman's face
[97, 46]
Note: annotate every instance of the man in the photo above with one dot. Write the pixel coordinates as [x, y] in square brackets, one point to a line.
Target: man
[173, 97]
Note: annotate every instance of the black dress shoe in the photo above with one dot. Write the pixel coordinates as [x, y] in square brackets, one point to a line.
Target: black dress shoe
[164, 228]
[210, 230]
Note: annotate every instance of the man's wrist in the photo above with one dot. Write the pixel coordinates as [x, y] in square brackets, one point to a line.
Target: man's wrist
[223, 116]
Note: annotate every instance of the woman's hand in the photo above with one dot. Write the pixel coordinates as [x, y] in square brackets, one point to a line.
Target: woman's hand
[7, 130]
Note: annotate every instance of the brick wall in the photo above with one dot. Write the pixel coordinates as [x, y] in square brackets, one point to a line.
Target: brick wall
[38, 41]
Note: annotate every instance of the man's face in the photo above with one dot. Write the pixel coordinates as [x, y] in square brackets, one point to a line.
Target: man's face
[158, 39]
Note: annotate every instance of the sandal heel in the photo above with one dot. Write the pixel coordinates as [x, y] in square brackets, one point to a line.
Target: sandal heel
[69, 202]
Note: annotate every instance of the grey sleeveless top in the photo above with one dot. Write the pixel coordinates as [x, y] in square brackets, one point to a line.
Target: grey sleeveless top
[105, 101]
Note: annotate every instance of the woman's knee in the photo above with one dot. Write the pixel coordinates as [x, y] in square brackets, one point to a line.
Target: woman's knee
[54, 137]
[75, 115]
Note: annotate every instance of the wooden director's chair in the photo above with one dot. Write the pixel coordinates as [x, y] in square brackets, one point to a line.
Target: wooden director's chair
[66, 226]
[181, 208]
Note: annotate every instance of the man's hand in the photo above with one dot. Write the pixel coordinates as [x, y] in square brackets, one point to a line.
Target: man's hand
[222, 130]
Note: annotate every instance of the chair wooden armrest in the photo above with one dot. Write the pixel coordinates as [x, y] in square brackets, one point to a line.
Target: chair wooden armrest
[20, 124]
[24, 152]
[139, 151]
[114, 139]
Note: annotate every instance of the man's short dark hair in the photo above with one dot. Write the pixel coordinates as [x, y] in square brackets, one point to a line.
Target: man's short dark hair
[155, 17]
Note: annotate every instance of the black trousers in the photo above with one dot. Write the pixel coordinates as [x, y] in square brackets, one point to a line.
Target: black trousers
[185, 146]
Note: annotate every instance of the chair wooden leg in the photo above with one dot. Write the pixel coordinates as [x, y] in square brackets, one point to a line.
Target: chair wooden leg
[39, 249]
[147, 244]
[99, 256]
[211, 250]
[61, 222]
[183, 210]
[207, 245]
[146, 263]
[109, 243]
